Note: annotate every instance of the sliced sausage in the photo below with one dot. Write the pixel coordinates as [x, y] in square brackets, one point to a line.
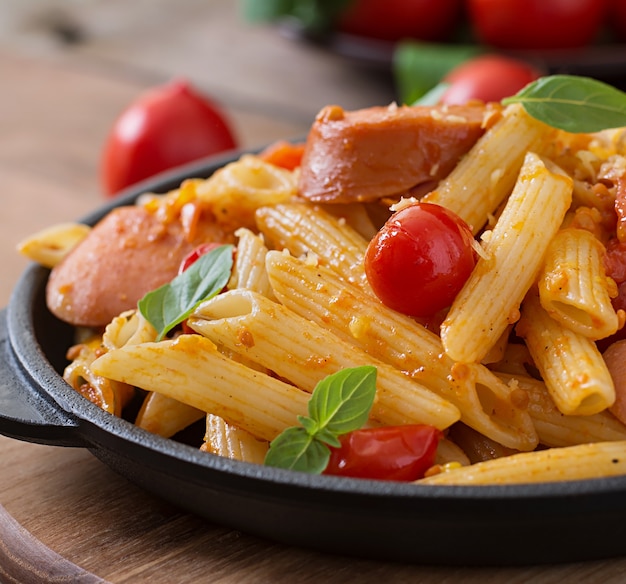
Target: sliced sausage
[127, 254]
[377, 152]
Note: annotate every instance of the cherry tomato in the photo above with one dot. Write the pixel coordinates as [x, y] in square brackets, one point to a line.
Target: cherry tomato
[537, 24]
[195, 253]
[394, 453]
[487, 78]
[168, 126]
[419, 260]
[392, 20]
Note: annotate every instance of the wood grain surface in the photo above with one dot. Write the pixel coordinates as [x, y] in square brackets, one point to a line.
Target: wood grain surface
[64, 516]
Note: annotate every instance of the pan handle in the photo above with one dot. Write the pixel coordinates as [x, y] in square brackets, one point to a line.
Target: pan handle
[25, 414]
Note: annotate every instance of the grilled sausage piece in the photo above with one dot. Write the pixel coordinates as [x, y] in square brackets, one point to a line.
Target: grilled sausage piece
[378, 152]
[127, 254]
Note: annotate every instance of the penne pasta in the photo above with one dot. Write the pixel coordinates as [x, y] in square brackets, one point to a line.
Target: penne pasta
[166, 416]
[487, 173]
[301, 229]
[585, 461]
[190, 369]
[570, 364]
[260, 329]
[318, 294]
[224, 439]
[249, 269]
[513, 255]
[108, 394]
[49, 246]
[245, 185]
[557, 430]
[573, 286]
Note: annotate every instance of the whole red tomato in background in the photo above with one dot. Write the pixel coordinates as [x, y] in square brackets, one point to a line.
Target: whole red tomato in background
[167, 126]
[537, 24]
[617, 18]
[487, 78]
[392, 20]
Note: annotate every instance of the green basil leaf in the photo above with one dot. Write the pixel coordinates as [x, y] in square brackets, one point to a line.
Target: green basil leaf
[418, 66]
[574, 104]
[173, 302]
[341, 402]
[327, 437]
[310, 425]
[296, 449]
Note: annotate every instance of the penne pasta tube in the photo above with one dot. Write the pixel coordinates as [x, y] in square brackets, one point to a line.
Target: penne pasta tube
[318, 294]
[486, 174]
[301, 229]
[190, 369]
[226, 440]
[108, 394]
[166, 416]
[584, 461]
[249, 269]
[305, 353]
[49, 246]
[513, 255]
[571, 365]
[555, 429]
[573, 286]
[245, 185]
[158, 414]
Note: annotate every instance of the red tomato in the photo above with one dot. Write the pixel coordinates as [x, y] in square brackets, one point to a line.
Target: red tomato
[165, 127]
[392, 20]
[617, 18]
[419, 260]
[194, 254]
[487, 78]
[537, 24]
[394, 453]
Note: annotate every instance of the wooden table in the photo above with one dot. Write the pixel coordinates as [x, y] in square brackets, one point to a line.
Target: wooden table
[64, 516]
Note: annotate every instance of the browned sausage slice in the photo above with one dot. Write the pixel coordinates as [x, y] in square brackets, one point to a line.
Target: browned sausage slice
[377, 152]
[127, 254]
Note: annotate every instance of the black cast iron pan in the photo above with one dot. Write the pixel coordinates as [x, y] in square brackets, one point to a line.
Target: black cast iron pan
[495, 525]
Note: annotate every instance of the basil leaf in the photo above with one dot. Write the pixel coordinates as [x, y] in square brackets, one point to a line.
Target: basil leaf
[173, 302]
[296, 449]
[418, 67]
[341, 402]
[574, 104]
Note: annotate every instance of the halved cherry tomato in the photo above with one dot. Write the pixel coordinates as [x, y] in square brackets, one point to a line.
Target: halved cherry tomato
[537, 24]
[195, 253]
[392, 20]
[419, 260]
[487, 78]
[394, 453]
[163, 128]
